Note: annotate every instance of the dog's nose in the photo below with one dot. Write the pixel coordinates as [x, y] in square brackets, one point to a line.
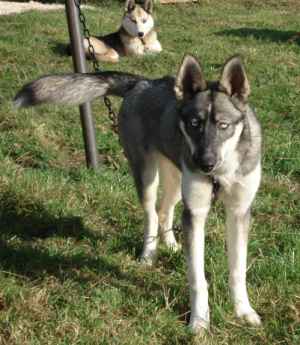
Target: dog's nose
[207, 167]
[206, 162]
[141, 34]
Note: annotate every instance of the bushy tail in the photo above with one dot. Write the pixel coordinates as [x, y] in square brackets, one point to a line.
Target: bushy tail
[75, 88]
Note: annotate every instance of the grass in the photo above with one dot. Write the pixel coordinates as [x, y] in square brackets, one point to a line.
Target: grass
[70, 237]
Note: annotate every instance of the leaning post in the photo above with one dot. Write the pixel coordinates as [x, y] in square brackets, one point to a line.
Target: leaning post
[79, 63]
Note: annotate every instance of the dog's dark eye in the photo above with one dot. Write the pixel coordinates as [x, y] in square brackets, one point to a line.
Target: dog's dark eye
[133, 20]
[223, 125]
[144, 21]
[195, 122]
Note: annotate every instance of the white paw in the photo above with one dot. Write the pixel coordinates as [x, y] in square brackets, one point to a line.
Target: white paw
[249, 315]
[153, 49]
[148, 257]
[173, 246]
[168, 238]
[198, 325]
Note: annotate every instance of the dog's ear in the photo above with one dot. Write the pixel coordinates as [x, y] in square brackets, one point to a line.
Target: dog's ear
[148, 6]
[129, 5]
[189, 79]
[234, 79]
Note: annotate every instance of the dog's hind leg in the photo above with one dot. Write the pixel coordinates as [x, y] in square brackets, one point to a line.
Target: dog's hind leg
[146, 177]
[170, 178]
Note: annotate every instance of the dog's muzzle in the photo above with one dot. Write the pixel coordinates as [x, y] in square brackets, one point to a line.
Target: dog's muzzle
[205, 162]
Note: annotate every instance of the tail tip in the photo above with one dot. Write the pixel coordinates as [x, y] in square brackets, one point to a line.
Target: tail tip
[18, 102]
[23, 98]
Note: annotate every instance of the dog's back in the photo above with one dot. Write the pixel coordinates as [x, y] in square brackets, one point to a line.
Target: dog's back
[148, 117]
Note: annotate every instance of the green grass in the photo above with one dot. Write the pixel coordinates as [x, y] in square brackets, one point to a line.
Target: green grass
[70, 237]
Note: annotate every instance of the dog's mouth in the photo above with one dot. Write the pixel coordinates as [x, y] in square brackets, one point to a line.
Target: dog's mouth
[206, 166]
[208, 170]
[217, 166]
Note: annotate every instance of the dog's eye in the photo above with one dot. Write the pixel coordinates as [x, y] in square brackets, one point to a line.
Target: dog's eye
[223, 125]
[195, 123]
[144, 21]
[133, 20]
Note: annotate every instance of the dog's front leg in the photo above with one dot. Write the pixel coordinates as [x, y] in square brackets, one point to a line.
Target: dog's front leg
[197, 191]
[238, 220]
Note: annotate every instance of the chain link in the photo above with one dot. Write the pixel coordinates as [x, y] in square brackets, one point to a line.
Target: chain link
[86, 33]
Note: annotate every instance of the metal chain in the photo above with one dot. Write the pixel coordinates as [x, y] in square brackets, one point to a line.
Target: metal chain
[86, 33]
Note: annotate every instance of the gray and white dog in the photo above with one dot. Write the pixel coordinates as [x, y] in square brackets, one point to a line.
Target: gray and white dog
[186, 132]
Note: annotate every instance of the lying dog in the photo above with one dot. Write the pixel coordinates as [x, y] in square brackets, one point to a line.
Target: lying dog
[136, 35]
[187, 133]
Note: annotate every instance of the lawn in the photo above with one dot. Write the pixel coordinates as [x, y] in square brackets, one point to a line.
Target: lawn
[70, 238]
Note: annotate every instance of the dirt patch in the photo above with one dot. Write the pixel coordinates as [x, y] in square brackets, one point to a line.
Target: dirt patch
[10, 7]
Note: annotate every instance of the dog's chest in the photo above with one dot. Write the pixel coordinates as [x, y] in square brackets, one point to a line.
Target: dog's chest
[229, 181]
[152, 45]
[133, 46]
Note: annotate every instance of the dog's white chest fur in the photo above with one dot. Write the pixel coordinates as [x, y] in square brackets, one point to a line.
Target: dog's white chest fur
[134, 46]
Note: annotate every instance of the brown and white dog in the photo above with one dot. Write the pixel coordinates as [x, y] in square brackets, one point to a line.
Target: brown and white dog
[136, 35]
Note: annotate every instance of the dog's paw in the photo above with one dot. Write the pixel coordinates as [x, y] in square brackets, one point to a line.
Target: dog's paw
[173, 246]
[198, 325]
[252, 318]
[148, 258]
[248, 315]
[168, 238]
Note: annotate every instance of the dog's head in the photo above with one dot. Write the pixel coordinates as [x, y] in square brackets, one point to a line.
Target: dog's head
[138, 20]
[211, 113]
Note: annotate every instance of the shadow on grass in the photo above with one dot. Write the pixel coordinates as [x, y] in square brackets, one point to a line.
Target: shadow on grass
[34, 263]
[28, 219]
[61, 49]
[263, 34]
[25, 226]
